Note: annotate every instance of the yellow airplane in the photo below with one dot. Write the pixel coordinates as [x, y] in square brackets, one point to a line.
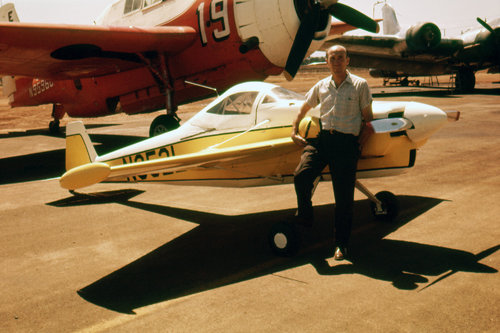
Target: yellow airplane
[242, 139]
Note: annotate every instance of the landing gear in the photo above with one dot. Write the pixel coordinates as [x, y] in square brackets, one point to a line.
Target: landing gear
[163, 124]
[465, 80]
[384, 205]
[389, 207]
[54, 127]
[57, 113]
[284, 237]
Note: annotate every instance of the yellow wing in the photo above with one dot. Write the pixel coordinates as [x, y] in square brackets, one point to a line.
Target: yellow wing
[92, 173]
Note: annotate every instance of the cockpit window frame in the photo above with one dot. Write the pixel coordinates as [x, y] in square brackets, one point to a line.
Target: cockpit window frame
[223, 107]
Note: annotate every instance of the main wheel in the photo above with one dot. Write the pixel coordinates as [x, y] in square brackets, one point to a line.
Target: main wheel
[284, 239]
[390, 207]
[465, 80]
[54, 127]
[163, 124]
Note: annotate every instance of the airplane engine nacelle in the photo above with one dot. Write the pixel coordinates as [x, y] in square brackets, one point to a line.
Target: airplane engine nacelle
[375, 72]
[422, 37]
[274, 23]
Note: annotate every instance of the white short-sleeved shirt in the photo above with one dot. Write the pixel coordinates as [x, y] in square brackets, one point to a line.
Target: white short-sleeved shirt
[341, 107]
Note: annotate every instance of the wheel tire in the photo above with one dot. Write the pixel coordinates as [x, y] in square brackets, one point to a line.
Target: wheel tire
[54, 127]
[284, 239]
[163, 124]
[465, 81]
[390, 204]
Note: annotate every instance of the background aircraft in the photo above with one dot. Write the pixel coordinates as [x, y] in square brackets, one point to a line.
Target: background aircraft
[143, 53]
[420, 50]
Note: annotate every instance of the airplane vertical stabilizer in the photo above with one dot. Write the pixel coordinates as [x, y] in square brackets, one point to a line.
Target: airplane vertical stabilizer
[8, 13]
[79, 148]
[390, 21]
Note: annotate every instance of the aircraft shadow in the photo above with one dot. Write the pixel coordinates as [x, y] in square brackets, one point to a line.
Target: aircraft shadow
[51, 164]
[223, 250]
[46, 132]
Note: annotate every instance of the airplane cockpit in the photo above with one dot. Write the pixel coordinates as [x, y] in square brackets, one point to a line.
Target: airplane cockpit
[246, 106]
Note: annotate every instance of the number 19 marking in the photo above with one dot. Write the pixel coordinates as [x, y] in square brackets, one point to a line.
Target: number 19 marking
[218, 12]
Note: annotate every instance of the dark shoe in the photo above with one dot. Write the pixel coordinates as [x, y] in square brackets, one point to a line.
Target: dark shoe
[340, 253]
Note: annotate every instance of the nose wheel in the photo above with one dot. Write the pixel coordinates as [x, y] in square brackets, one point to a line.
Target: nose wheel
[384, 205]
[388, 209]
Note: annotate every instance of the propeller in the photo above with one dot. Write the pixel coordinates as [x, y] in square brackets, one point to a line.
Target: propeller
[485, 25]
[495, 36]
[310, 15]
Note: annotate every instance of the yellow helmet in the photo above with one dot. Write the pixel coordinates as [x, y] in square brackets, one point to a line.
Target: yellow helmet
[309, 127]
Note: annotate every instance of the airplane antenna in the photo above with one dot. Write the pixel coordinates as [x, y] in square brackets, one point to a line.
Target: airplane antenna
[202, 86]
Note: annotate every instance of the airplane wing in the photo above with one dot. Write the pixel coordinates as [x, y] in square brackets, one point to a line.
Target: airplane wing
[92, 173]
[338, 28]
[56, 51]
[390, 53]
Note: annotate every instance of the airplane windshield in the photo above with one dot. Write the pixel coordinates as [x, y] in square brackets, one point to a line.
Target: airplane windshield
[236, 104]
[287, 94]
[131, 5]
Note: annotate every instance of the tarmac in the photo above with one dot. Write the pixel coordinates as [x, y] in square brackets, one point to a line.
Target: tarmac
[164, 258]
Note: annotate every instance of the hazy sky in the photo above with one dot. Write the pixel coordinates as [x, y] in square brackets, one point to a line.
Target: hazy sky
[452, 16]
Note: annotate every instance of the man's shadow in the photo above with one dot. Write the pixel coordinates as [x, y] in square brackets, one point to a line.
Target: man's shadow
[223, 250]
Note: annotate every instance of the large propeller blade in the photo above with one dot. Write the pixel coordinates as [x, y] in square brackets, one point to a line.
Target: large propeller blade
[353, 17]
[301, 43]
[308, 25]
[485, 25]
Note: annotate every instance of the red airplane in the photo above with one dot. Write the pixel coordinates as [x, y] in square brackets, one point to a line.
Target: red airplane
[148, 55]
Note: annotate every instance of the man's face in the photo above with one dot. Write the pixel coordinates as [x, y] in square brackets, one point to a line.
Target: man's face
[337, 60]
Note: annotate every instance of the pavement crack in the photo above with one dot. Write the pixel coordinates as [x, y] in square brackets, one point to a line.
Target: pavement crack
[287, 278]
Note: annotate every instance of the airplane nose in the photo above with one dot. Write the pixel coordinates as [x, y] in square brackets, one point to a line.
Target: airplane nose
[426, 119]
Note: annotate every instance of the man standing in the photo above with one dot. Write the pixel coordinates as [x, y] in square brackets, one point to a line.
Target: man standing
[345, 106]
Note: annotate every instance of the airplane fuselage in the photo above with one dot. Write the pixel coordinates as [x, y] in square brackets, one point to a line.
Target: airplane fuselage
[237, 41]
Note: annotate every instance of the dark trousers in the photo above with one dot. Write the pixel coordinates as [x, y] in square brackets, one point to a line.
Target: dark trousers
[340, 152]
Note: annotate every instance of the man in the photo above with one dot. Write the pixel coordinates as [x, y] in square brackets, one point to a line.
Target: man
[345, 106]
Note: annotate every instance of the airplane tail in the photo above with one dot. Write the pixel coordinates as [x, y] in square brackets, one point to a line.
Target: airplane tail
[8, 13]
[391, 24]
[79, 148]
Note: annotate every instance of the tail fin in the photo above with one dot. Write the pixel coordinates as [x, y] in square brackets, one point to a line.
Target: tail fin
[8, 13]
[391, 24]
[79, 148]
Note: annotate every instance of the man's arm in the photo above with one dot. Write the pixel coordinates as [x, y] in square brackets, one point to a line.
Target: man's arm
[367, 113]
[366, 131]
[295, 126]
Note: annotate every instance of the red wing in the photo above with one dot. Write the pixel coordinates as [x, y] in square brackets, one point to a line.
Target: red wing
[73, 51]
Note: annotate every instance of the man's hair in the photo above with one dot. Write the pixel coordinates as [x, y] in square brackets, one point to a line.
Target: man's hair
[337, 46]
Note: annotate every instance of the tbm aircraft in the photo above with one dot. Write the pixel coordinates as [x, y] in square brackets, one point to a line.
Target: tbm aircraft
[420, 50]
[144, 55]
[242, 139]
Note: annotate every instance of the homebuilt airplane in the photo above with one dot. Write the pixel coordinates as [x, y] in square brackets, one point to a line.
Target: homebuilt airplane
[148, 55]
[420, 50]
[242, 139]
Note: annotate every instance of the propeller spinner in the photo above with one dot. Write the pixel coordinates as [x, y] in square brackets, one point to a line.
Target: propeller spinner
[310, 12]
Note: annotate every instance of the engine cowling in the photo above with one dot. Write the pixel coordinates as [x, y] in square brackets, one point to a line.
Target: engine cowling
[422, 37]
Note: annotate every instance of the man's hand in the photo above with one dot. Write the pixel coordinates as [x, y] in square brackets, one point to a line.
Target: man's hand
[366, 132]
[298, 140]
